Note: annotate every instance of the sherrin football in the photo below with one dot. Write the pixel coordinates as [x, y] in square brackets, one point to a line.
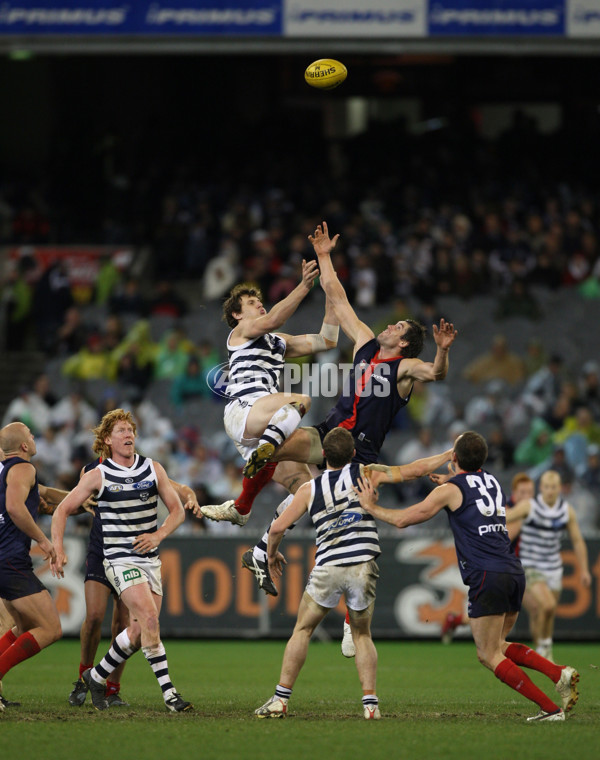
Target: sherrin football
[325, 74]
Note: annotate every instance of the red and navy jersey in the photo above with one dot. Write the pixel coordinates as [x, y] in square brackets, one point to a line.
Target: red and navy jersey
[369, 402]
[479, 526]
[13, 542]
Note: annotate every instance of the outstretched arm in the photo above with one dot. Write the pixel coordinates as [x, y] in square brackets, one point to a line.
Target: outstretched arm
[428, 372]
[399, 473]
[358, 332]
[284, 309]
[439, 498]
[304, 345]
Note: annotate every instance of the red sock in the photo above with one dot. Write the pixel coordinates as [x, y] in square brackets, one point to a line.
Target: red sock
[22, 649]
[112, 688]
[522, 655]
[83, 668]
[347, 616]
[513, 676]
[7, 640]
[251, 487]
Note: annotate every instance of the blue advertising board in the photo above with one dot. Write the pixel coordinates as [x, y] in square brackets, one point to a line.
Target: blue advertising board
[498, 18]
[109, 17]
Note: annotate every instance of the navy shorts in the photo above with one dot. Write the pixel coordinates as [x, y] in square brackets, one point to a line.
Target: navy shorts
[94, 569]
[494, 593]
[17, 578]
[364, 453]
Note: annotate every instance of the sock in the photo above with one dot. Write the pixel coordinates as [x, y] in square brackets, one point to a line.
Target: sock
[83, 667]
[347, 616]
[120, 650]
[260, 550]
[544, 644]
[251, 487]
[157, 658]
[283, 692]
[24, 647]
[457, 620]
[513, 676]
[112, 688]
[370, 700]
[7, 640]
[282, 424]
[522, 655]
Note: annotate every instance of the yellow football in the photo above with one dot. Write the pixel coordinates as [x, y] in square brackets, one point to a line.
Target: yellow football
[325, 74]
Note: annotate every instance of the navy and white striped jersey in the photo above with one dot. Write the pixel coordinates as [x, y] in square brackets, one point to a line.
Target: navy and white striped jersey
[127, 504]
[255, 366]
[346, 534]
[479, 526]
[541, 534]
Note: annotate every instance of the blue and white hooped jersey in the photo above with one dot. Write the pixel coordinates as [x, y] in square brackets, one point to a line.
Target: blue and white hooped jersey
[127, 505]
[346, 534]
[479, 526]
[541, 533]
[255, 366]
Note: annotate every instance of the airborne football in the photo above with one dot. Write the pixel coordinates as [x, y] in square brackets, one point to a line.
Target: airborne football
[325, 74]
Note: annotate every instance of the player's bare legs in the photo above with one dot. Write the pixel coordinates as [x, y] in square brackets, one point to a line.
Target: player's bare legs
[366, 660]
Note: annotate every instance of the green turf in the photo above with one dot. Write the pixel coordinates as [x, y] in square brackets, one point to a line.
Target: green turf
[436, 701]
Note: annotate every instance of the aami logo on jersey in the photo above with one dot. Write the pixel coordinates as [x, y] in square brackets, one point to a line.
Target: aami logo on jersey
[143, 484]
[346, 519]
[115, 488]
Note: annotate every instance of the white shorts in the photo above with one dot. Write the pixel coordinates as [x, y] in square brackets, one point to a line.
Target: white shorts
[327, 583]
[234, 419]
[123, 573]
[552, 578]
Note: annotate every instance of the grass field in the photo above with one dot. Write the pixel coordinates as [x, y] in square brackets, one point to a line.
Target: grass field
[436, 702]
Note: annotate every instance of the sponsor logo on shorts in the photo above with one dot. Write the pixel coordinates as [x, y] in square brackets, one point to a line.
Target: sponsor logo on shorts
[114, 489]
[131, 574]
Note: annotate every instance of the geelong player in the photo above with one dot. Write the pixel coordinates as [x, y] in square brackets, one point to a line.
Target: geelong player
[543, 521]
[127, 486]
[475, 505]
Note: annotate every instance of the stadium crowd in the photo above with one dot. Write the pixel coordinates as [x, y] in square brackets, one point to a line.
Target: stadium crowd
[421, 217]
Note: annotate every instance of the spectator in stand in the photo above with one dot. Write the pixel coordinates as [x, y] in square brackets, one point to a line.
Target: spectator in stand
[192, 384]
[17, 301]
[52, 298]
[72, 334]
[92, 362]
[518, 301]
[107, 280]
[543, 387]
[497, 364]
[172, 354]
[589, 388]
[128, 299]
[537, 446]
[30, 407]
[166, 302]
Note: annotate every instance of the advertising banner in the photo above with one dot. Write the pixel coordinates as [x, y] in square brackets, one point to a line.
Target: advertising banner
[502, 18]
[355, 18]
[583, 18]
[207, 593]
[110, 17]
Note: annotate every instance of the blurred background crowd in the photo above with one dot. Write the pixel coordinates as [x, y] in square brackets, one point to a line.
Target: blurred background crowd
[498, 234]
